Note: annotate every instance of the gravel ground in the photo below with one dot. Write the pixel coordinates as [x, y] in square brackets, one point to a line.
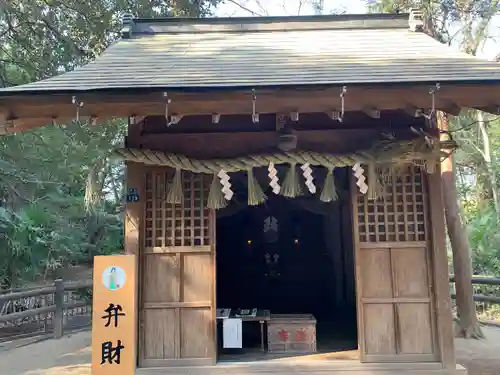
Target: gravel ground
[71, 356]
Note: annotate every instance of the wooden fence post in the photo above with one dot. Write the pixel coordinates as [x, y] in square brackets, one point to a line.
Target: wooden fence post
[59, 313]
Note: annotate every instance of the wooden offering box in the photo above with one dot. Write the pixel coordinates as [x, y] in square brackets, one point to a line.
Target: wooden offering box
[291, 333]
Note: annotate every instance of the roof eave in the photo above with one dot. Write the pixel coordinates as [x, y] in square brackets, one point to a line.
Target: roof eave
[5, 93]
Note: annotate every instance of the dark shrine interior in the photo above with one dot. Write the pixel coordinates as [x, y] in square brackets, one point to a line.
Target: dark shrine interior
[277, 256]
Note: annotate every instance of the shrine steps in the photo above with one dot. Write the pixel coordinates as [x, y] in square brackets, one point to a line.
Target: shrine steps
[337, 367]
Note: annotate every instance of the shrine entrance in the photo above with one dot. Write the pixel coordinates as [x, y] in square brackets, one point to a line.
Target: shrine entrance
[287, 256]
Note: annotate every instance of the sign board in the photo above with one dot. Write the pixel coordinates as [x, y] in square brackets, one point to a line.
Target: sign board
[114, 315]
[232, 333]
[132, 195]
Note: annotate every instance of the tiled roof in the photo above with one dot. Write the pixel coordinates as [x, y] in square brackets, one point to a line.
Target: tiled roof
[270, 52]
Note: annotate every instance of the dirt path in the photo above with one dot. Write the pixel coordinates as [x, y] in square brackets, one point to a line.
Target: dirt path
[481, 357]
[71, 356]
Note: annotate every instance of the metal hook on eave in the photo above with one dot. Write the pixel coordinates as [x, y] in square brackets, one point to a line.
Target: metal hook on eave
[78, 105]
[343, 91]
[255, 115]
[167, 102]
[432, 92]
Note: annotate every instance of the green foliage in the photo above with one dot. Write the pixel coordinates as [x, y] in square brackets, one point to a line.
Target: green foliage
[43, 218]
[484, 237]
[39, 38]
[466, 24]
[45, 174]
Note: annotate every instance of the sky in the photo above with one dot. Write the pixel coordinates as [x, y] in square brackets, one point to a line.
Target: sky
[291, 7]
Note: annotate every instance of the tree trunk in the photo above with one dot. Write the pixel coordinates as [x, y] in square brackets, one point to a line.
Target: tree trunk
[457, 232]
[488, 159]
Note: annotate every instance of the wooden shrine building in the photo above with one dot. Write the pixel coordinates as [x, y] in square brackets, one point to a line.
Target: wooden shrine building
[283, 163]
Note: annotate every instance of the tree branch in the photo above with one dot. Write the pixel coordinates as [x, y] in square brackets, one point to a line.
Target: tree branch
[241, 6]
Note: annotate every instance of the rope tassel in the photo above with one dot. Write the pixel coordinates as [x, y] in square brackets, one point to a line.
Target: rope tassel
[329, 193]
[255, 194]
[216, 198]
[291, 185]
[174, 193]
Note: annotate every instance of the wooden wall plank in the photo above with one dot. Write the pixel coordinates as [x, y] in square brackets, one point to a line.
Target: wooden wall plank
[197, 288]
[196, 336]
[161, 278]
[414, 323]
[380, 335]
[376, 271]
[410, 264]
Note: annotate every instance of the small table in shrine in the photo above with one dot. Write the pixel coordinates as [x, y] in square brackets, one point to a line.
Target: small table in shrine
[261, 316]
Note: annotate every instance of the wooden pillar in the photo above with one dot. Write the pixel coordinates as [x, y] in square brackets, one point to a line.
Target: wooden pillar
[440, 270]
[59, 313]
[134, 207]
[133, 227]
[357, 267]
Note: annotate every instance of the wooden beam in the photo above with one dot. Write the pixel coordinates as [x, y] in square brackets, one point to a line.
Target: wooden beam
[231, 144]
[20, 125]
[492, 109]
[334, 115]
[451, 108]
[4, 115]
[458, 94]
[413, 111]
[215, 118]
[450, 99]
[137, 119]
[372, 112]
[294, 116]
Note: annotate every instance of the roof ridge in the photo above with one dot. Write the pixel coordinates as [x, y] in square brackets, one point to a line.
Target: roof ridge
[263, 19]
[146, 26]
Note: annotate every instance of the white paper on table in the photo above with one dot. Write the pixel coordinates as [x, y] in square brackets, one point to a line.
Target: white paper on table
[232, 333]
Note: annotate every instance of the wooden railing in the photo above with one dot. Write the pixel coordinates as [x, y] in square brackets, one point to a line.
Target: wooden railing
[486, 297]
[46, 310]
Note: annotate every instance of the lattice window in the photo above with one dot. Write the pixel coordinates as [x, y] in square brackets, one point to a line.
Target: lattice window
[399, 214]
[186, 224]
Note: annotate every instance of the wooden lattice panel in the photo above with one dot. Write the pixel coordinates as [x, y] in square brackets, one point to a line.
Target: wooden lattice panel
[400, 212]
[171, 225]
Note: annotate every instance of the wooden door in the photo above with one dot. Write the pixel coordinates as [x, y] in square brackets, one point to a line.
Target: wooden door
[396, 316]
[177, 317]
